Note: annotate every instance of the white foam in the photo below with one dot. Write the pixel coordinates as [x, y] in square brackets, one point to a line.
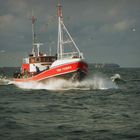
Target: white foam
[4, 81]
[95, 82]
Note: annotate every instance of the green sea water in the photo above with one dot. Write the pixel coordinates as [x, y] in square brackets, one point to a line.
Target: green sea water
[94, 109]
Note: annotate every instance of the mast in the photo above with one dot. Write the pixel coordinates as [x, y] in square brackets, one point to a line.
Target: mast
[60, 19]
[35, 45]
[61, 29]
[33, 33]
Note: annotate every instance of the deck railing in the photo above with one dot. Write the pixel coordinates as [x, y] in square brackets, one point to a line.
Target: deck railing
[70, 55]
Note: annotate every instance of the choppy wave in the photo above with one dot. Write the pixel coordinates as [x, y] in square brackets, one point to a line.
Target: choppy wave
[92, 114]
[95, 82]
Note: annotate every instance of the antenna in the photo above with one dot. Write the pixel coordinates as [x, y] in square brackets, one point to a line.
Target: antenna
[59, 9]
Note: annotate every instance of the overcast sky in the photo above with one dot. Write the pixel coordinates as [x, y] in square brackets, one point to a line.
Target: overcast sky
[106, 31]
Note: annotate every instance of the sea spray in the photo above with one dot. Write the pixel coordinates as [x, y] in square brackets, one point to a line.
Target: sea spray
[5, 81]
[94, 82]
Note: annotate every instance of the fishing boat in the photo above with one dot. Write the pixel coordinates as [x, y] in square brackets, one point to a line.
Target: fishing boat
[66, 64]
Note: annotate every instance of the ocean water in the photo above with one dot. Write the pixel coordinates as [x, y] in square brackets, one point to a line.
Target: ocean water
[95, 109]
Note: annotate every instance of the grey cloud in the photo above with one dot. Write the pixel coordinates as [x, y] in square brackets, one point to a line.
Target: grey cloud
[100, 27]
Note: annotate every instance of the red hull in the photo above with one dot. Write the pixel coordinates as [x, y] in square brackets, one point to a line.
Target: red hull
[61, 71]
